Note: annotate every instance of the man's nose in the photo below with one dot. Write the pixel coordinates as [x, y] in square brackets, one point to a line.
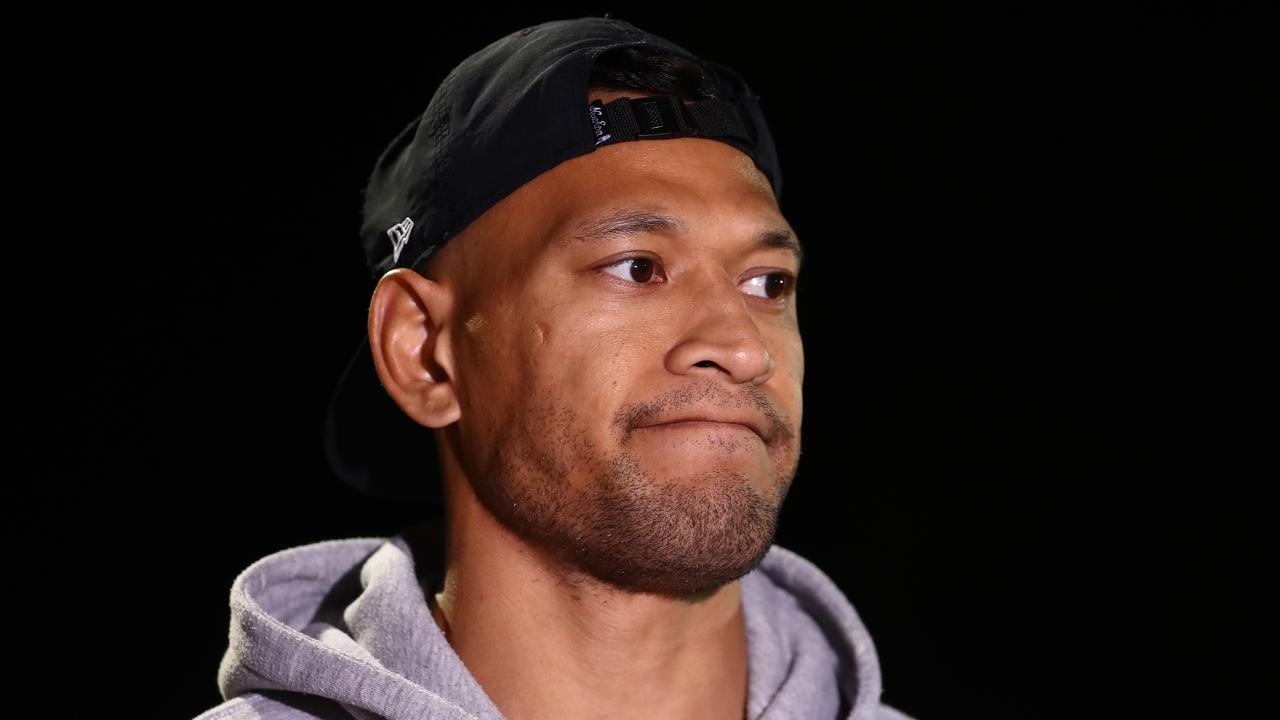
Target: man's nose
[722, 336]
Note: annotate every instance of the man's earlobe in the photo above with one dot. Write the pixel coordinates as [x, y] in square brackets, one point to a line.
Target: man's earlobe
[410, 344]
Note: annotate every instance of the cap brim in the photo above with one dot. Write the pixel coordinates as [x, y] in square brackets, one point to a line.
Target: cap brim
[371, 444]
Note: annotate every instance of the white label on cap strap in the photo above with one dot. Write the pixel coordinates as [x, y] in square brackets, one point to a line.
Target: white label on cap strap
[399, 234]
[596, 112]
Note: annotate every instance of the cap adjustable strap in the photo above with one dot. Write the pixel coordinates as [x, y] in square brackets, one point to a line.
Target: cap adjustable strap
[665, 116]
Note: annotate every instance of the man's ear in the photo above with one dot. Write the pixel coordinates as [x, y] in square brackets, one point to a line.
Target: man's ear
[410, 344]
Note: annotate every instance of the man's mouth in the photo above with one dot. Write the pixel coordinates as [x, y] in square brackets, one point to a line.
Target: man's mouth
[745, 424]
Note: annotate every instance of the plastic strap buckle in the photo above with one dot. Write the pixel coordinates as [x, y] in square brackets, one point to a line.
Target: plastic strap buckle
[656, 118]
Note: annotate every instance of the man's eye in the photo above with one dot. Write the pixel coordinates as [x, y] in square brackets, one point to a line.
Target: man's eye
[641, 269]
[771, 286]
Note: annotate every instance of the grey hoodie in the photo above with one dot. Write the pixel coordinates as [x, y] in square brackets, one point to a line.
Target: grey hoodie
[341, 629]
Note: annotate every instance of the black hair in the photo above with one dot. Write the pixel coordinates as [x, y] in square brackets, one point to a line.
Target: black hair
[652, 70]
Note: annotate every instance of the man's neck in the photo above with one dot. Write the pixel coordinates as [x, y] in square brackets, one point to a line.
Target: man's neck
[544, 646]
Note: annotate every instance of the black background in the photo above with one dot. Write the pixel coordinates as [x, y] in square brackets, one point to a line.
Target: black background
[1036, 397]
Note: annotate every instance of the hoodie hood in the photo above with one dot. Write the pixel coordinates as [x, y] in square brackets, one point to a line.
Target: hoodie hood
[347, 621]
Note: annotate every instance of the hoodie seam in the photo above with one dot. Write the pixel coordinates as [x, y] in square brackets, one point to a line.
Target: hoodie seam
[791, 665]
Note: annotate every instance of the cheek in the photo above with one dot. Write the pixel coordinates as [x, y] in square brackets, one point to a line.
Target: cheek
[592, 363]
[497, 355]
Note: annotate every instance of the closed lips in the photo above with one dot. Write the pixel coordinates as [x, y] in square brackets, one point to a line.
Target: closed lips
[755, 425]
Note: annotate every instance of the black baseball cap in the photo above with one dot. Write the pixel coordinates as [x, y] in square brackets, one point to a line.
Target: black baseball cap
[505, 115]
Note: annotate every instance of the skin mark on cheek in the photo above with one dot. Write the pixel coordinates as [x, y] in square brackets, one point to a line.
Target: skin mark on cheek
[475, 323]
[541, 331]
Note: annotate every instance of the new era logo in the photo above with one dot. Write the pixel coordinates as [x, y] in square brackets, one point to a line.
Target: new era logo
[399, 234]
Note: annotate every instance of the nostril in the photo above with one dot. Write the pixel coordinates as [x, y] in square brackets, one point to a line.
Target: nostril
[704, 363]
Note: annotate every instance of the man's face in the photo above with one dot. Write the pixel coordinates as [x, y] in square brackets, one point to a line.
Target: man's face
[578, 333]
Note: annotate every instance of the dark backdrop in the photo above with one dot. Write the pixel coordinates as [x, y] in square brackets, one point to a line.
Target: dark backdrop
[1035, 455]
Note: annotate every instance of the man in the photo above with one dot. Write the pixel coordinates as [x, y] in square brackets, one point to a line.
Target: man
[587, 290]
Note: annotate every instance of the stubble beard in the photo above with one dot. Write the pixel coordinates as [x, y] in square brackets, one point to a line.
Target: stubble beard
[605, 518]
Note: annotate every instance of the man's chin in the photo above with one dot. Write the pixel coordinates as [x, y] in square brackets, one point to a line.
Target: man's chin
[688, 581]
[687, 538]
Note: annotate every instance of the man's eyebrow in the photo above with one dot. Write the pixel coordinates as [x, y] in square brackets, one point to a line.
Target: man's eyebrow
[626, 222]
[783, 239]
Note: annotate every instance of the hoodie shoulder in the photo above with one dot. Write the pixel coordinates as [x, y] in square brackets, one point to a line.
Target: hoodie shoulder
[276, 705]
